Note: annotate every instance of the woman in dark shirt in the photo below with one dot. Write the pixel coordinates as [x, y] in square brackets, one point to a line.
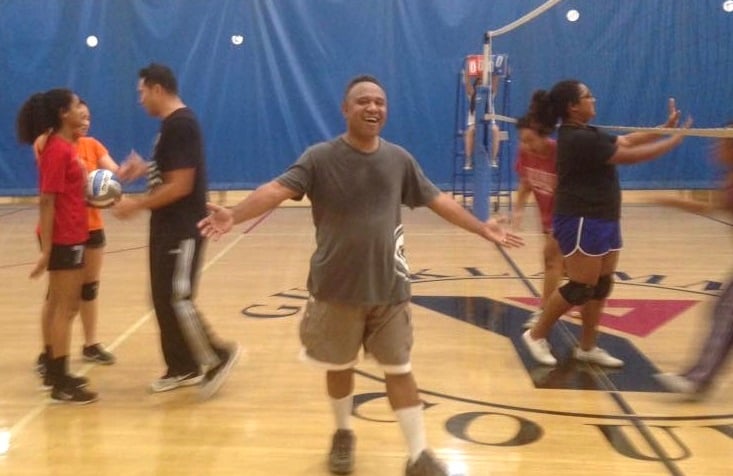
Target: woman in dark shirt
[587, 211]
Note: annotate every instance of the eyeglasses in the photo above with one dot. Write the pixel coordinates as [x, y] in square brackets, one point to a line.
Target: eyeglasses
[587, 96]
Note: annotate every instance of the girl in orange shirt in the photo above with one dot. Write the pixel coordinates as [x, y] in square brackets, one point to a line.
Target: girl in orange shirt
[95, 156]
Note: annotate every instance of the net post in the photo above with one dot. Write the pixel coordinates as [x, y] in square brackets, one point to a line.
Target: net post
[481, 148]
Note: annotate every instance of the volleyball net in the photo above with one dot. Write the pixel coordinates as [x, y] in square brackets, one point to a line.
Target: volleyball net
[631, 71]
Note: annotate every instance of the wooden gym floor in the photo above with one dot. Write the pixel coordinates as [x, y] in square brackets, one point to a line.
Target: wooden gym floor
[489, 409]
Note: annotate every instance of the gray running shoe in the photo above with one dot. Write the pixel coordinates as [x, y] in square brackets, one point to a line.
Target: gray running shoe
[341, 457]
[97, 353]
[426, 465]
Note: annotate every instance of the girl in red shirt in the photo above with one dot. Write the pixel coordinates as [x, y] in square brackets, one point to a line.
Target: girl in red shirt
[62, 227]
[537, 170]
[94, 155]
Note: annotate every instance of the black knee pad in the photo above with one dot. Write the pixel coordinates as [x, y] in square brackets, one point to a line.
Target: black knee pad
[89, 291]
[603, 287]
[576, 293]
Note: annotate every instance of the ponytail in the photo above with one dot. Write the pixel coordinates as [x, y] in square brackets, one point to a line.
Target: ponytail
[41, 112]
[541, 112]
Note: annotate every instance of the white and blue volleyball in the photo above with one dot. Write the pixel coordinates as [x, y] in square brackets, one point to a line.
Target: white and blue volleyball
[102, 189]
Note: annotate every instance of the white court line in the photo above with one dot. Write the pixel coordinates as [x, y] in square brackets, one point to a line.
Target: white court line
[35, 411]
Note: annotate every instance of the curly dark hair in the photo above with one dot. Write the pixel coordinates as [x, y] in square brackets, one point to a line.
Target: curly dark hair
[42, 112]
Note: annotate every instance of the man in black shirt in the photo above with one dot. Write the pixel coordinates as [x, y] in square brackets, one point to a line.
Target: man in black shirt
[177, 200]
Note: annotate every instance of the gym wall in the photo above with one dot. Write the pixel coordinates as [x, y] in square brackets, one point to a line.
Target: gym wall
[266, 77]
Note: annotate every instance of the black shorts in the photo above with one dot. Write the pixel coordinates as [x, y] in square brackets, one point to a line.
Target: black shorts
[97, 239]
[66, 257]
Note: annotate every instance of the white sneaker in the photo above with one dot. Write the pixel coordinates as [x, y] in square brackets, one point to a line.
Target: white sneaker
[597, 356]
[677, 383]
[539, 349]
[529, 323]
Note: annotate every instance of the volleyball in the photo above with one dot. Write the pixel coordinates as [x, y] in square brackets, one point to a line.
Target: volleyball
[102, 189]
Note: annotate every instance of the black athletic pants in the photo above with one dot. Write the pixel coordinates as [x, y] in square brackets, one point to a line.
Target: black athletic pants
[184, 337]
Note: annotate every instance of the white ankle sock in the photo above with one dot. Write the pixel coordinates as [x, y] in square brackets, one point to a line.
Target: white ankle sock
[342, 408]
[413, 428]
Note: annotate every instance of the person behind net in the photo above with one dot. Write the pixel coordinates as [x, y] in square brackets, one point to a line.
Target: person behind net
[469, 134]
[586, 221]
[62, 229]
[697, 380]
[536, 169]
[359, 280]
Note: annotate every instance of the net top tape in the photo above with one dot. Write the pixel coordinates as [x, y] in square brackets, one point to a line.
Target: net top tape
[720, 132]
[522, 20]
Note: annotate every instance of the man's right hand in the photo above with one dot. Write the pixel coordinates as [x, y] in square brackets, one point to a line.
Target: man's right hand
[218, 222]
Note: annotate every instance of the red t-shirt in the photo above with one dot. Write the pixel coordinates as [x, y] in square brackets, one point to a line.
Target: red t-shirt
[61, 173]
[540, 172]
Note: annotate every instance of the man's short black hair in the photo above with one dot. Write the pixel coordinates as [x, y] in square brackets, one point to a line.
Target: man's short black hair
[362, 78]
[156, 73]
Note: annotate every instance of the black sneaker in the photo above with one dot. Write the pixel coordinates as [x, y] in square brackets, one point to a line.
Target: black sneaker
[170, 382]
[70, 394]
[97, 353]
[71, 380]
[215, 377]
[341, 456]
[41, 363]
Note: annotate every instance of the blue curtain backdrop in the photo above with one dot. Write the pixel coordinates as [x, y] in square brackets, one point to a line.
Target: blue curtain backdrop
[262, 102]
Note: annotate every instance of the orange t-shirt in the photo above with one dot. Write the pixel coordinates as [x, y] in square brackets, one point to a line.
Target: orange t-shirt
[90, 150]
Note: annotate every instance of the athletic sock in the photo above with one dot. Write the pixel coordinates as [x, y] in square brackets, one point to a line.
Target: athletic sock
[342, 408]
[413, 429]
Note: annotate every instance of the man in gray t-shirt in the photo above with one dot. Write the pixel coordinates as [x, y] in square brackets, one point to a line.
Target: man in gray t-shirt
[359, 278]
[356, 199]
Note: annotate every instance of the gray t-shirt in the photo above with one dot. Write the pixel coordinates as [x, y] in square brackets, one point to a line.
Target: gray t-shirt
[356, 203]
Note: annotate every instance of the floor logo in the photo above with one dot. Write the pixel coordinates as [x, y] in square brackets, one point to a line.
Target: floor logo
[506, 320]
[639, 317]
